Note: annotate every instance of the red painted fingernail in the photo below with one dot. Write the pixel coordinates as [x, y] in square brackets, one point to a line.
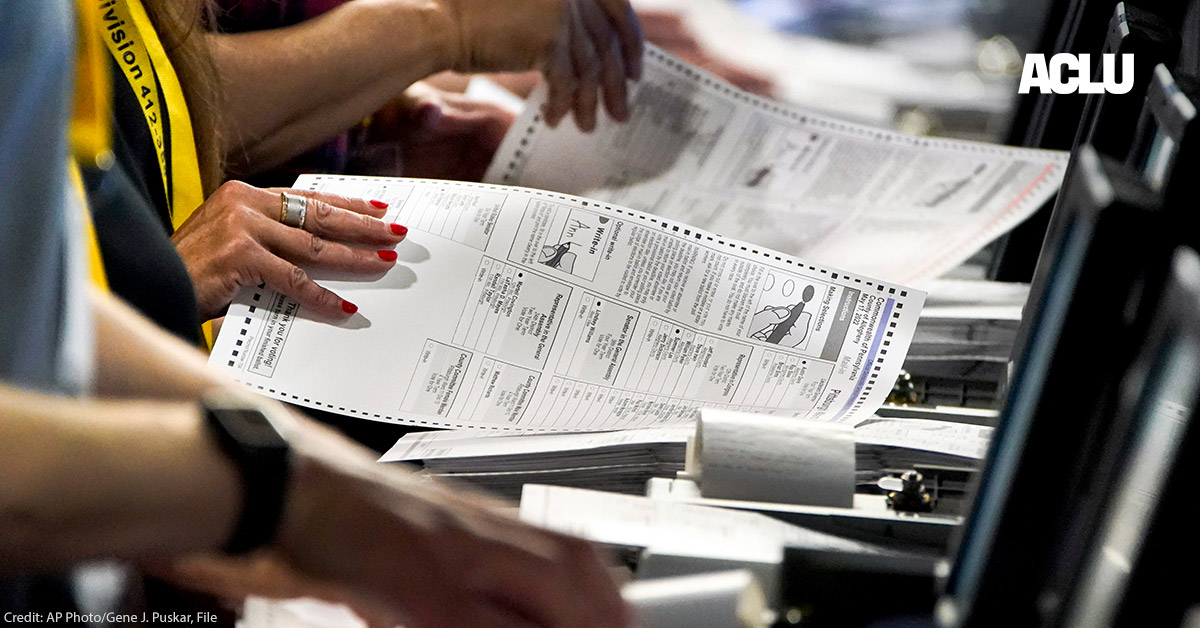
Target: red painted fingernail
[349, 307]
[399, 229]
[386, 255]
[379, 204]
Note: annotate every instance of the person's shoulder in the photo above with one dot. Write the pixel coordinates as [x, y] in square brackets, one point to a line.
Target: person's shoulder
[33, 33]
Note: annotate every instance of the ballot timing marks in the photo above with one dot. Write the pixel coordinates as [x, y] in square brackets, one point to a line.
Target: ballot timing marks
[1066, 73]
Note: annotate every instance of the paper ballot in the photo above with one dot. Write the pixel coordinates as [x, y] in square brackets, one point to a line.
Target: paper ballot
[516, 309]
[703, 152]
[949, 440]
[467, 447]
[757, 457]
[621, 461]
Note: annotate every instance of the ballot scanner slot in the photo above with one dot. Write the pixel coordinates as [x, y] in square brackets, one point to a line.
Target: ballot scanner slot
[1072, 352]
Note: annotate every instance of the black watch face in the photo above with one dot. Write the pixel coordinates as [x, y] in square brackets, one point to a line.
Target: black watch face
[251, 428]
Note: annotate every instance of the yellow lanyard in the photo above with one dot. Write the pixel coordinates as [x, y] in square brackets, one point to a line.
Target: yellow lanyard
[131, 39]
[135, 46]
[89, 130]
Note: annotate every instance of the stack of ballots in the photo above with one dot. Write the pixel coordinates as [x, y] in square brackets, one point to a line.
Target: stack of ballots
[620, 461]
[967, 329]
[885, 446]
[623, 461]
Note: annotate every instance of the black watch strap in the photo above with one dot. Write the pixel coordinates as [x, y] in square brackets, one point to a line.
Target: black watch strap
[263, 457]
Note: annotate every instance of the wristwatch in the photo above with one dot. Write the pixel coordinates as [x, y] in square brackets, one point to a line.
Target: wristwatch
[263, 458]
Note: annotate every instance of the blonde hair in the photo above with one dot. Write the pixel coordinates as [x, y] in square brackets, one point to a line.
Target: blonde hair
[181, 25]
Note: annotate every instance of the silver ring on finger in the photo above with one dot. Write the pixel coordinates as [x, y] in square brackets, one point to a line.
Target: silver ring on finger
[295, 210]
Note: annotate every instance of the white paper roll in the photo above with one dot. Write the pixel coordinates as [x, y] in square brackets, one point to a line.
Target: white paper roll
[758, 457]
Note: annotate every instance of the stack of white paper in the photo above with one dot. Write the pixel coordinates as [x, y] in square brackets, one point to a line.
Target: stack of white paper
[963, 339]
[620, 461]
[623, 461]
[672, 527]
[967, 329]
[885, 446]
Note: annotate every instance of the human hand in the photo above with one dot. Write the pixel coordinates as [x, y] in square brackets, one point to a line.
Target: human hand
[584, 47]
[670, 30]
[236, 239]
[402, 550]
[442, 135]
[766, 320]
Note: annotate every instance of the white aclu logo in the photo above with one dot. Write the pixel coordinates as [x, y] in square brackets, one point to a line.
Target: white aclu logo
[1053, 76]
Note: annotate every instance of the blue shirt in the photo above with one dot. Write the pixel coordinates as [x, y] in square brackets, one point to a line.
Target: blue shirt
[44, 342]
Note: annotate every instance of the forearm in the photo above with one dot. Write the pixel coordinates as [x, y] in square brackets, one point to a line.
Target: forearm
[84, 480]
[136, 359]
[310, 129]
[378, 47]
